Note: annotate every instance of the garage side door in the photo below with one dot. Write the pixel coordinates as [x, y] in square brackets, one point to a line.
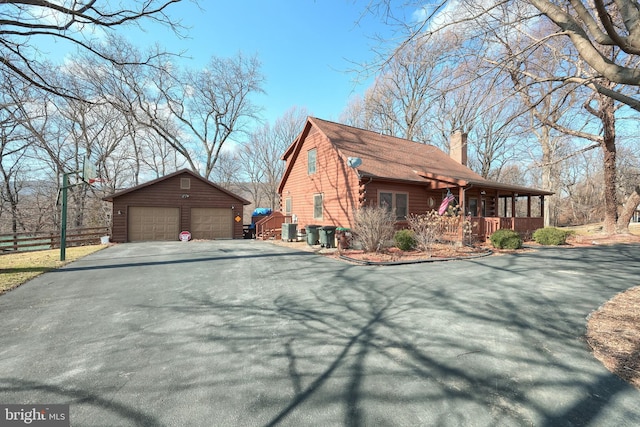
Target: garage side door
[211, 223]
[153, 223]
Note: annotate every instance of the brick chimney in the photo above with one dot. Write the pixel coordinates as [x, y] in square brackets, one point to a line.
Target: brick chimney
[458, 147]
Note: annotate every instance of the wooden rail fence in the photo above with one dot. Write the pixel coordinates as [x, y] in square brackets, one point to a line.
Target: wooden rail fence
[12, 242]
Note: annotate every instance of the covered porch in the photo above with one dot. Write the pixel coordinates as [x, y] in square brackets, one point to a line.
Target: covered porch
[491, 206]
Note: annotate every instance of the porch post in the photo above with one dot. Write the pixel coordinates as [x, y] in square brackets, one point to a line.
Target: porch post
[463, 207]
[544, 218]
[528, 205]
[513, 205]
[504, 207]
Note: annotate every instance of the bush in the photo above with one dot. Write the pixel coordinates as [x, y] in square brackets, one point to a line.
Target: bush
[506, 239]
[373, 226]
[430, 228]
[551, 236]
[405, 240]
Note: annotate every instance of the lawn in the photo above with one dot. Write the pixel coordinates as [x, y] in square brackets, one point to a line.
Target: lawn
[17, 268]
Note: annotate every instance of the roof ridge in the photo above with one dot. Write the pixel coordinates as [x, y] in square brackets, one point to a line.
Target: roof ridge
[371, 131]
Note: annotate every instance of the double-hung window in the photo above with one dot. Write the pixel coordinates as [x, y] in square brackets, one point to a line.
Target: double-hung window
[287, 206]
[317, 206]
[311, 161]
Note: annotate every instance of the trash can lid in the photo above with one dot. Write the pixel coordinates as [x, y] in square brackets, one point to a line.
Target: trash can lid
[342, 229]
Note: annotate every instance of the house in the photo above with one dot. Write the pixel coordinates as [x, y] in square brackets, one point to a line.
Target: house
[334, 169]
[182, 201]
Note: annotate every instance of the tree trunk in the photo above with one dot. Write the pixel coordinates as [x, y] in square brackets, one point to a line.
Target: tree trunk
[607, 112]
[630, 206]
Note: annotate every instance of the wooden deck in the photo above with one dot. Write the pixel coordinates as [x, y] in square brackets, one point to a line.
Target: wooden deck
[270, 227]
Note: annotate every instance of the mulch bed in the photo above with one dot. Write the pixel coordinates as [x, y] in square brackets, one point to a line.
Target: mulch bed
[391, 255]
[613, 332]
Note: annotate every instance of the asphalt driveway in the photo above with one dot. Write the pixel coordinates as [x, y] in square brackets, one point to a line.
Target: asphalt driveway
[246, 333]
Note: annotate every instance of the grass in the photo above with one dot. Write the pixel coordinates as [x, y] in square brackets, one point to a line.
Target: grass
[17, 268]
[595, 228]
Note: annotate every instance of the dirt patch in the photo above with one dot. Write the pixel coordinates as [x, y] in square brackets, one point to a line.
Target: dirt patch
[613, 332]
[602, 239]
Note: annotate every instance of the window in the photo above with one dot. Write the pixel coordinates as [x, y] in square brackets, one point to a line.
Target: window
[395, 202]
[311, 161]
[473, 207]
[185, 183]
[317, 206]
[402, 204]
[287, 206]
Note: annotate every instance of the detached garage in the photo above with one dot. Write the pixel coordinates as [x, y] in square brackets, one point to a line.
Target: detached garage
[183, 201]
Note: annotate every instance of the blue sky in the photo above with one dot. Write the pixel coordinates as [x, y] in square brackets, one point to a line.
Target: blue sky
[305, 47]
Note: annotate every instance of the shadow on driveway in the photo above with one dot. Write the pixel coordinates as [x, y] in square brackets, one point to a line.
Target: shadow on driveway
[275, 337]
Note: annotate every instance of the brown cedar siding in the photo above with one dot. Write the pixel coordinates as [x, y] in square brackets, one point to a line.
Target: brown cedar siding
[418, 195]
[333, 178]
[167, 193]
[339, 184]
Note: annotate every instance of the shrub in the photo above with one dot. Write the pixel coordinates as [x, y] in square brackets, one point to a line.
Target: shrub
[405, 240]
[373, 226]
[551, 236]
[430, 227]
[506, 239]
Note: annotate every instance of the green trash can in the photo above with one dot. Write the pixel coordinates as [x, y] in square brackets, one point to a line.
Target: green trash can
[312, 234]
[328, 236]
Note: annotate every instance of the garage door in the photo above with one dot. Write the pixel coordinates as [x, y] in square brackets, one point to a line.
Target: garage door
[211, 223]
[153, 223]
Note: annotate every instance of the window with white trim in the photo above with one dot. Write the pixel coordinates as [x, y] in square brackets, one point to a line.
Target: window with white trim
[311, 161]
[287, 206]
[317, 206]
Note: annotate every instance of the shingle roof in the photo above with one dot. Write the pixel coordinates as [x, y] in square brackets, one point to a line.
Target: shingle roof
[110, 197]
[389, 157]
[385, 156]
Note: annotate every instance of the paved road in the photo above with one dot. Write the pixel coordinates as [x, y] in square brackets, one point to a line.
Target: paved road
[246, 333]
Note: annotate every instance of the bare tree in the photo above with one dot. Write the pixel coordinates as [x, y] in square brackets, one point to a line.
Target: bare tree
[214, 104]
[194, 112]
[228, 170]
[13, 148]
[260, 156]
[602, 54]
[591, 27]
[78, 24]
